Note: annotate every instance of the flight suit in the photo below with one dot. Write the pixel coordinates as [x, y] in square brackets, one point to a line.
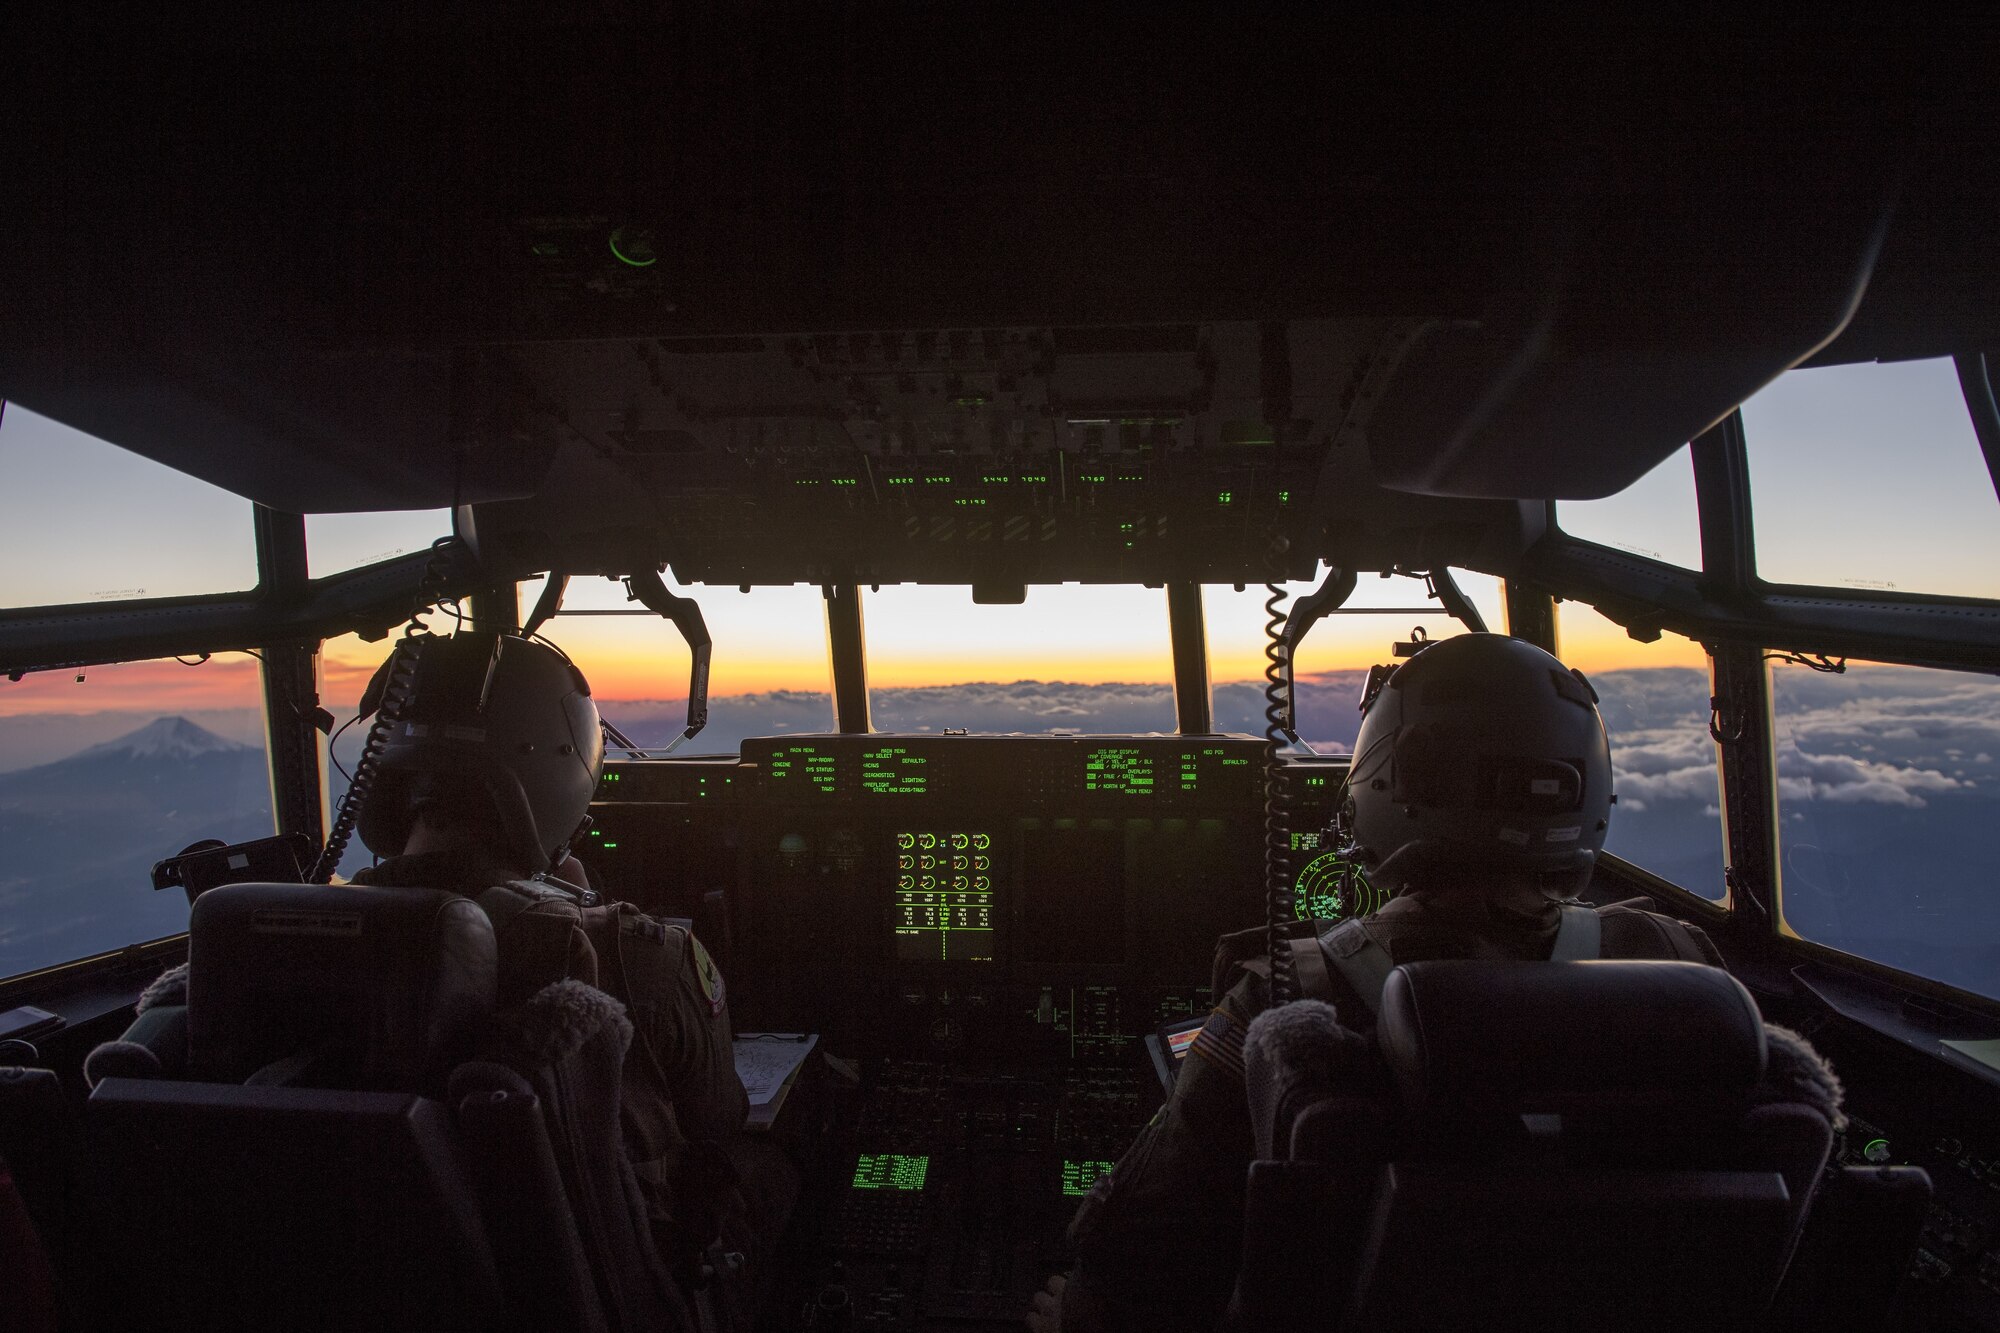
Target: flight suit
[683, 1125]
[1158, 1237]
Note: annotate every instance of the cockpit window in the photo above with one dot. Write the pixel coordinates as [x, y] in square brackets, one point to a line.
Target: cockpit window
[1654, 697]
[86, 521]
[1655, 516]
[1072, 658]
[1337, 652]
[768, 671]
[1870, 476]
[1888, 793]
[105, 770]
[335, 542]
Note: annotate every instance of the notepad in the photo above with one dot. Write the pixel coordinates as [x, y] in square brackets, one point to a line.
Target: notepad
[768, 1063]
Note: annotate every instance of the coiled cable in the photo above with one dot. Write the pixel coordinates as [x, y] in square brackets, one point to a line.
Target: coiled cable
[1278, 907]
[396, 694]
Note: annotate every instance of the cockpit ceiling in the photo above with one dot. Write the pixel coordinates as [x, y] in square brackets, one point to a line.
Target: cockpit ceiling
[629, 277]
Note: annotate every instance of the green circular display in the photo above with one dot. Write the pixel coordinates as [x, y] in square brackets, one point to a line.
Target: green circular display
[1329, 889]
[633, 246]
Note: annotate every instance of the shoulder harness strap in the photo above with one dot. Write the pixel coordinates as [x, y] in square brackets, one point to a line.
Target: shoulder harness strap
[1309, 967]
[1579, 936]
[532, 924]
[1361, 961]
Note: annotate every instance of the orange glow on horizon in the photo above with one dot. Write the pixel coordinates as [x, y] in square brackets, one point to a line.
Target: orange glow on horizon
[231, 681]
[625, 672]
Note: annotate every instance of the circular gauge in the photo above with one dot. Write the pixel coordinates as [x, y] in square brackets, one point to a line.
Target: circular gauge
[906, 840]
[959, 841]
[982, 841]
[1329, 888]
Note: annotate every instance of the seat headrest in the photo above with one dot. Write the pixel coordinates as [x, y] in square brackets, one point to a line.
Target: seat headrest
[394, 978]
[1527, 1037]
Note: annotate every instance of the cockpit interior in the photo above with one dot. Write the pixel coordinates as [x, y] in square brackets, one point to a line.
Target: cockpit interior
[978, 456]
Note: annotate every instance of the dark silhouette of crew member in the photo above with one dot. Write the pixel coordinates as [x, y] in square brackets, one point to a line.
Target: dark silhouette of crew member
[1478, 799]
[485, 779]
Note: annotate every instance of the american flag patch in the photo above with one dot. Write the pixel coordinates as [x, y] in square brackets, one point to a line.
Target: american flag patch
[1220, 1041]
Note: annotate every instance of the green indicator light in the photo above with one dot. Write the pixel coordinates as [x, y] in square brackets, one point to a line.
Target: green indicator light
[1315, 782]
[1226, 497]
[1078, 1177]
[1284, 497]
[890, 1171]
[609, 845]
[1093, 476]
[633, 246]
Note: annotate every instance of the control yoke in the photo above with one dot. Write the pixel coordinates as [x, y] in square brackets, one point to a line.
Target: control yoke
[1330, 598]
[645, 587]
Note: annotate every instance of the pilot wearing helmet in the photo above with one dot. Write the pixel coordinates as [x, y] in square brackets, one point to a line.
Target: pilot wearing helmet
[481, 785]
[1478, 799]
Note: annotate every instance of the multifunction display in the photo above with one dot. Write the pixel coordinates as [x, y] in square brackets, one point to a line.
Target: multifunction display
[944, 895]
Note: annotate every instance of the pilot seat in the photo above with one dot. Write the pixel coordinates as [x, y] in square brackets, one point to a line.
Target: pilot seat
[1537, 1145]
[351, 1136]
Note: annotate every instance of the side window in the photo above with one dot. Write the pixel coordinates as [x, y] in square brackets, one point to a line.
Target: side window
[105, 770]
[335, 542]
[86, 521]
[1334, 660]
[1654, 697]
[1071, 658]
[1888, 794]
[1870, 476]
[1655, 516]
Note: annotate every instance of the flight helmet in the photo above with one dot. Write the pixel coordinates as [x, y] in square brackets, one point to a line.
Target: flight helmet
[1481, 754]
[492, 716]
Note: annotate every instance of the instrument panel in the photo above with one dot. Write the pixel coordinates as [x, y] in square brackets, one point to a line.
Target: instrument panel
[984, 897]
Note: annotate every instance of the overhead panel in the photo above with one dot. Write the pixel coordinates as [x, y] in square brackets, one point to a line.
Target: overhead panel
[1026, 454]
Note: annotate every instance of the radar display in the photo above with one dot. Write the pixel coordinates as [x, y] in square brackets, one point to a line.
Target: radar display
[1332, 888]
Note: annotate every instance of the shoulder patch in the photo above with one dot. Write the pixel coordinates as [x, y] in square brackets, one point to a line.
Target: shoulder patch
[1220, 1042]
[709, 975]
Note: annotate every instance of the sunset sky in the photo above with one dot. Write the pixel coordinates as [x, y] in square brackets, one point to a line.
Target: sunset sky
[1826, 506]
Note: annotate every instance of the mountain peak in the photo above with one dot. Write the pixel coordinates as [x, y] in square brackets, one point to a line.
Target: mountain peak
[164, 738]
